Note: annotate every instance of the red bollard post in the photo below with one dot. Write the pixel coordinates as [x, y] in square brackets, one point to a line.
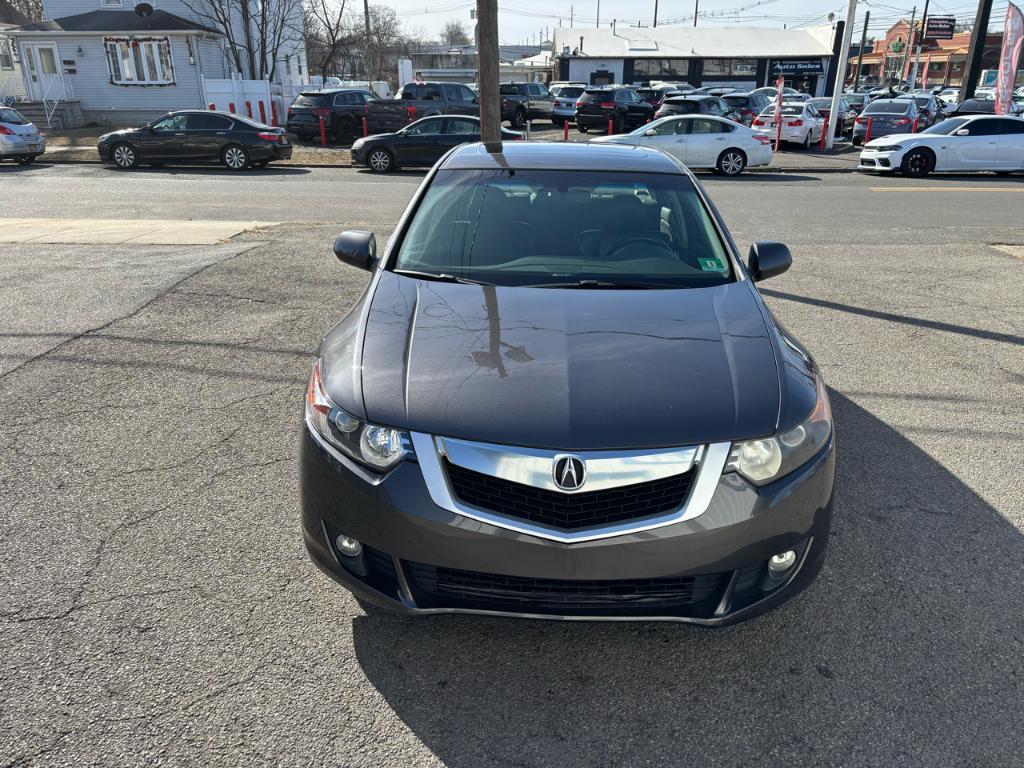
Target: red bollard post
[867, 134]
[411, 112]
[263, 113]
[565, 131]
[248, 108]
[366, 129]
[231, 107]
[323, 133]
[273, 113]
[821, 144]
[212, 106]
[610, 126]
[914, 129]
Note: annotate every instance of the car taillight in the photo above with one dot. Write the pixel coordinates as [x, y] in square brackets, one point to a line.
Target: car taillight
[795, 123]
[505, 103]
[291, 113]
[269, 136]
[746, 111]
[5, 131]
[579, 102]
[607, 105]
[901, 121]
[763, 139]
[758, 121]
[861, 121]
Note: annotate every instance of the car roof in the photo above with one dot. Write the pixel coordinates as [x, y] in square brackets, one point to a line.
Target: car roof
[561, 156]
[690, 97]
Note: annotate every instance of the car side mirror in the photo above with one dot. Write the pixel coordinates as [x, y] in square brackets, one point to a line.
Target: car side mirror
[357, 248]
[651, 132]
[962, 132]
[768, 259]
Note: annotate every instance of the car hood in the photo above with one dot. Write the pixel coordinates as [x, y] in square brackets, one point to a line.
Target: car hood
[888, 141]
[120, 133]
[565, 368]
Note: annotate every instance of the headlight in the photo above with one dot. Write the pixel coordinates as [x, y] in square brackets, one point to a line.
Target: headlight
[767, 459]
[889, 148]
[358, 144]
[378, 447]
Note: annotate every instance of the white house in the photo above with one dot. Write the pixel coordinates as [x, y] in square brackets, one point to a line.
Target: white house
[123, 62]
[11, 85]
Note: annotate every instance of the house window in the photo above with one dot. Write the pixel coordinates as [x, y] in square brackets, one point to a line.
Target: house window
[733, 67]
[140, 61]
[653, 69]
[6, 57]
[110, 3]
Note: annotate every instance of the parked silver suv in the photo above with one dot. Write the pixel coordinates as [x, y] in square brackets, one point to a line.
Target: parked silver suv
[20, 140]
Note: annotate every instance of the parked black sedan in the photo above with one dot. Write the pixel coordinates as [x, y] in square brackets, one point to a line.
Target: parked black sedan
[561, 396]
[420, 143]
[196, 137]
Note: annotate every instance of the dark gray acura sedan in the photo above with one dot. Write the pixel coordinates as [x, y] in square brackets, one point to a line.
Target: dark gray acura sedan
[561, 396]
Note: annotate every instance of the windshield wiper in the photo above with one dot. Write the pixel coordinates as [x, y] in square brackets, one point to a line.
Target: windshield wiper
[601, 284]
[442, 277]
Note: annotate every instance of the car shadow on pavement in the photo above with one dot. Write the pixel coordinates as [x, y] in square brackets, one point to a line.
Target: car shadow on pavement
[755, 176]
[187, 170]
[906, 650]
[15, 168]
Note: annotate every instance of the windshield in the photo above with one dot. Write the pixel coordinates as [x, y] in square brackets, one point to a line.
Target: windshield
[11, 117]
[568, 91]
[787, 109]
[888, 107]
[543, 227]
[946, 127]
[310, 100]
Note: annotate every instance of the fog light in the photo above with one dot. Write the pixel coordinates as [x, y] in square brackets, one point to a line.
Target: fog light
[780, 563]
[348, 546]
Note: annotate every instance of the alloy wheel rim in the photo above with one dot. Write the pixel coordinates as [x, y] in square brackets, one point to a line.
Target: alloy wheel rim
[124, 157]
[379, 161]
[732, 164]
[917, 163]
[234, 158]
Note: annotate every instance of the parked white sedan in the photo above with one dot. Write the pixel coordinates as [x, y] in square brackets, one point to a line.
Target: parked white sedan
[969, 143]
[801, 124]
[701, 141]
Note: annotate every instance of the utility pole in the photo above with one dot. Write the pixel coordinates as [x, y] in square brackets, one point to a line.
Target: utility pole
[598, 24]
[844, 56]
[655, 12]
[910, 40]
[860, 54]
[972, 71]
[487, 73]
[572, 16]
[917, 52]
[696, 7]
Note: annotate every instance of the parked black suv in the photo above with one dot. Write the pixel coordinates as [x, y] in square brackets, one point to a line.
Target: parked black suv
[341, 109]
[620, 105]
[748, 105]
[697, 105]
[525, 101]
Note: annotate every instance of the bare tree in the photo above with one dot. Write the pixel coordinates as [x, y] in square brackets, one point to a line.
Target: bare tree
[33, 9]
[454, 33]
[380, 44]
[327, 33]
[257, 32]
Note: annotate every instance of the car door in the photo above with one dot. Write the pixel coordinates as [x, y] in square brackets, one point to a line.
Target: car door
[976, 149]
[420, 143]
[208, 134]
[1010, 152]
[166, 139]
[457, 130]
[668, 135]
[705, 141]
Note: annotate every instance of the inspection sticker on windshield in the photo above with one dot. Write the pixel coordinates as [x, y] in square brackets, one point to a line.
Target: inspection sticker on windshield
[713, 264]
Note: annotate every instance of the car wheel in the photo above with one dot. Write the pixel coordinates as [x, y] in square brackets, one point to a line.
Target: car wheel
[124, 156]
[581, 128]
[26, 160]
[235, 158]
[807, 140]
[518, 119]
[731, 162]
[345, 133]
[917, 162]
[380, 161]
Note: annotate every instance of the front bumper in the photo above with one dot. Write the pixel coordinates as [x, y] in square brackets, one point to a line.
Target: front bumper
[410, 544]
[19, 146]
[876, 160]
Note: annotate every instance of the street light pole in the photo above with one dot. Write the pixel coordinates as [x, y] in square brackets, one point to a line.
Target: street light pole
[860, 53]
[487, 73]
[969, 81]
[919, 40]
[696, 7]
[844, 57]
[655, 13]
[598, 24]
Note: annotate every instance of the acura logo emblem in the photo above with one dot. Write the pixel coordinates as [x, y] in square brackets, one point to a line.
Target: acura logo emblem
[569, 472]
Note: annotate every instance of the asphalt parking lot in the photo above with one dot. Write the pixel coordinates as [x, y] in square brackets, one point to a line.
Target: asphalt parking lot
[159, 609]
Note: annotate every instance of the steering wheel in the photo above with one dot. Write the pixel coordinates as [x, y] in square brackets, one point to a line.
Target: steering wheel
[640, 239]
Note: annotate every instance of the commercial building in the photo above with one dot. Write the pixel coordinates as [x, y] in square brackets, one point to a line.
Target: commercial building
[744, 57]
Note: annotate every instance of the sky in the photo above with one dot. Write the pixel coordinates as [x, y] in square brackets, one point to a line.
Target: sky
[526, 21]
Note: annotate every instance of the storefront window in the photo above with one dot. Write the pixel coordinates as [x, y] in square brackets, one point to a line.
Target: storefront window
[731, 67]
[661, 69]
